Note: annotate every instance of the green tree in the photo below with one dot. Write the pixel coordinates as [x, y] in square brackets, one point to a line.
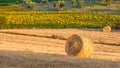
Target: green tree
[59, 4]
[73, 2]
[106, 2]
[29, 3]
[78, 3]
[91, 1]
[44, 1]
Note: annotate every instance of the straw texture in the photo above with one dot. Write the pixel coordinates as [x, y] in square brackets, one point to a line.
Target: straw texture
[78, 46]
[107, 29]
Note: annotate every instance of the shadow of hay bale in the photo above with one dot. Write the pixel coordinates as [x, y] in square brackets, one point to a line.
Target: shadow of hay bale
[17, 59]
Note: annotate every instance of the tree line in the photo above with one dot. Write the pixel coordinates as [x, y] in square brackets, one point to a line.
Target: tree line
[59, 4]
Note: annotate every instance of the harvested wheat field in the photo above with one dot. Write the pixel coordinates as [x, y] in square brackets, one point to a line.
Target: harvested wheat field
[45, 48]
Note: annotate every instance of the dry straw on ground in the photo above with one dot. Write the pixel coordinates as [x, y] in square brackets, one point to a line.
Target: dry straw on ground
[106, 29]
[78, 46]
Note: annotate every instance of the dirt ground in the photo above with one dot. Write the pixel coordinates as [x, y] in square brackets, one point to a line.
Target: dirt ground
[36, 48]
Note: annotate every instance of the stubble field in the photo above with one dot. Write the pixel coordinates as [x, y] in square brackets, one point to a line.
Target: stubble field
[45, 48]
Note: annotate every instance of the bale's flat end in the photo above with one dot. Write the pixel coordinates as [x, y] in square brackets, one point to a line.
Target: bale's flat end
[107, 29]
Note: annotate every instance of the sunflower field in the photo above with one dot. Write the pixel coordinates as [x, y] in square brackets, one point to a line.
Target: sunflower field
[19, 18]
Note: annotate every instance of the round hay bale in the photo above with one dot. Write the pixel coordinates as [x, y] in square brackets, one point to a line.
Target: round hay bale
[106, 29]
[78, 46]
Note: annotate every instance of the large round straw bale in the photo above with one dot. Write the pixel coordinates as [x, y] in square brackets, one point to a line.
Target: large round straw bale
[79, 46]
[106, 29]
